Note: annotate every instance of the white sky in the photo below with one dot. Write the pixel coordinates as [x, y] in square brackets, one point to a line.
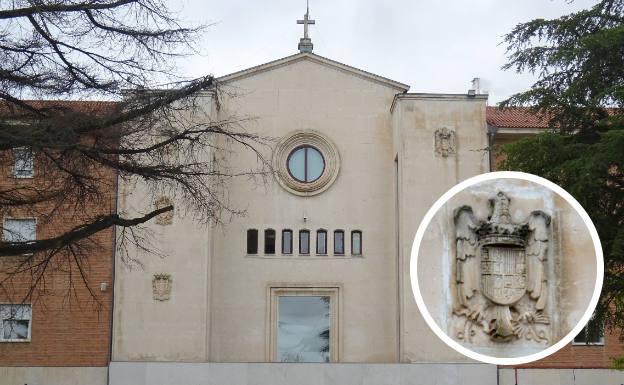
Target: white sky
[434, 46]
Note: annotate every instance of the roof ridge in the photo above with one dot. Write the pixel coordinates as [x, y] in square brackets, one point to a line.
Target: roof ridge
[315, 57]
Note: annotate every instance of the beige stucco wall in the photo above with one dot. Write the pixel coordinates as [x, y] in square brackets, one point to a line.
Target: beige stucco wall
[353, 113]
[220, 304]
[570, 267]
[423, 178]
[145, 329]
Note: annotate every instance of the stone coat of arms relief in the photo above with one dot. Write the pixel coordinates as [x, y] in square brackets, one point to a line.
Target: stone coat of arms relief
[501, 276]
[444, 142]
[161, 286]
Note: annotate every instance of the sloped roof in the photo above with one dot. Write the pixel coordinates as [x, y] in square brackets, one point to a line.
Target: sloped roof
[317, 59]
[516, 117]
[95, 107]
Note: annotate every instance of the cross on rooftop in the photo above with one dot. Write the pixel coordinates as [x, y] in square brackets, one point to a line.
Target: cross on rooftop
[305, 43]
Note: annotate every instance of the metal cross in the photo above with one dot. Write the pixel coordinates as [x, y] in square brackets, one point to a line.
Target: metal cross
[306, 21]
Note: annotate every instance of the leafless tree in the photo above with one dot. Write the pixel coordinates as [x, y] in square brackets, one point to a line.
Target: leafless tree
[155, 133]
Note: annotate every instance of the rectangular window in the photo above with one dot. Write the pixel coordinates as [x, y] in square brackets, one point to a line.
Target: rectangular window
[356, 242]
[20, 229]
[269, 241]
[586, 338]
[303, 329]
[339, 242]
[15, 323]
[304, 324]
[23, 163]
[252, 241]
[304, 242]
[287, 241]
[321, 242]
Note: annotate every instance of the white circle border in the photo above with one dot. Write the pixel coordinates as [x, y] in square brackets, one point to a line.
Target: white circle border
[414, 268]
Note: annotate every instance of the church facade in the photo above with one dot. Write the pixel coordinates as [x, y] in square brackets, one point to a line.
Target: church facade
[345, 232]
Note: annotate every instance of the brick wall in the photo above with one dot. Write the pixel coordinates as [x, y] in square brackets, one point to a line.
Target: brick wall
[584, 356]
[70, 326]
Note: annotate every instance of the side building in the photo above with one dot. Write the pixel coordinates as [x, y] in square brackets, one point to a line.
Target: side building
[583, 357]
[52, 329]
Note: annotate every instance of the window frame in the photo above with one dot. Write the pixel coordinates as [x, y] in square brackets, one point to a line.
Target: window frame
[291, 241]
[359, 232]
[305, 163]
[14, 170]
[321, 231]
[302, 231]
[4, 222]
[30, 322]
[304, 290]
[257, 241]
[266, 235]
[584, 330]
[337, 231]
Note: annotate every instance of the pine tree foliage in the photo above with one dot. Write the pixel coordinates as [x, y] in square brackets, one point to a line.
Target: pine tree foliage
[579, 60]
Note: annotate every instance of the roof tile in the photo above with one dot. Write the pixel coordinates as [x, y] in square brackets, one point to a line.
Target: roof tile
[515, 117]
[95, 107]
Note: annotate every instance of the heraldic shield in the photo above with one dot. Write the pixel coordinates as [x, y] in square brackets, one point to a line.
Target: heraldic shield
[501, 273]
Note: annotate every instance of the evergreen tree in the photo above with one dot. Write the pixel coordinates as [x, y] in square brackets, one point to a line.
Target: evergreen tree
[579, 60]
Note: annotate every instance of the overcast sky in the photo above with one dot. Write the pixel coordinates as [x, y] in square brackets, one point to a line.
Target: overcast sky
[432, 45]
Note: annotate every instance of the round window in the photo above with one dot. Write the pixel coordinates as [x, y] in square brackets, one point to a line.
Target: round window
[306, 161]
[306, 164]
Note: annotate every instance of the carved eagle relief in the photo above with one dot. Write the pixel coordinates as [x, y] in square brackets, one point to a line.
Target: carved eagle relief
[501, 275]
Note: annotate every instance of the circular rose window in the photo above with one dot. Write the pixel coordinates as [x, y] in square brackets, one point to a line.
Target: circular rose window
[306, 162]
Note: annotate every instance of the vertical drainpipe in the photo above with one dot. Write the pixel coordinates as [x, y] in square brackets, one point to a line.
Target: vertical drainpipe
[215, 109]
[397, 241]
[112, 308]
[491, 132]
[210, 248]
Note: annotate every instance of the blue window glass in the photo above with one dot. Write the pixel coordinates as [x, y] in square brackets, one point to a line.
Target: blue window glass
[356, 242]
[306, 164]
[304, 242]
[315, 164]
[321, 242]
[296, 164]
[303, 331]
[287, 242]
[339, 242]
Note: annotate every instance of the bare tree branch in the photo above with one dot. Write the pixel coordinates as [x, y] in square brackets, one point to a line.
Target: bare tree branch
[145, 124]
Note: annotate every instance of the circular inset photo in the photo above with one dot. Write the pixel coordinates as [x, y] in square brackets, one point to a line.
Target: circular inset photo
[506, 268]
